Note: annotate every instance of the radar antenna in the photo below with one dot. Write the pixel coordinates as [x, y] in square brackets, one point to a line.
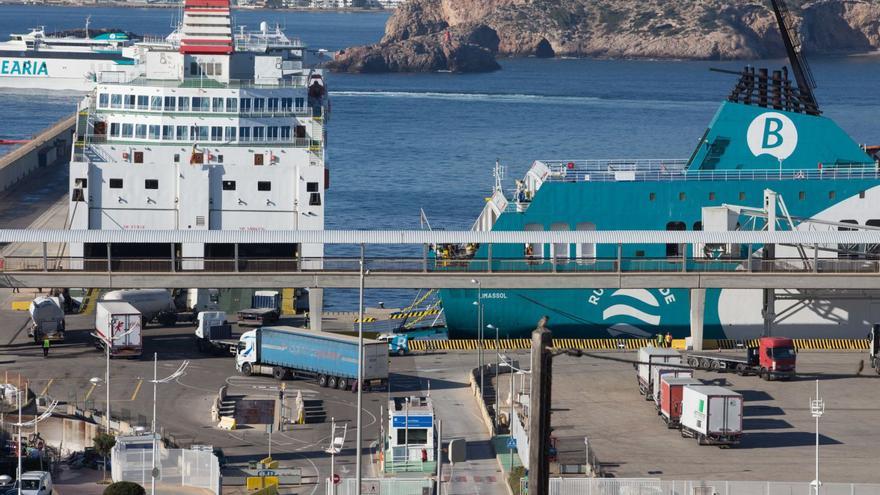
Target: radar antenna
[802, 73]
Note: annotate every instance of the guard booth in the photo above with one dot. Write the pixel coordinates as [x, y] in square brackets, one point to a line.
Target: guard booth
[410, 442]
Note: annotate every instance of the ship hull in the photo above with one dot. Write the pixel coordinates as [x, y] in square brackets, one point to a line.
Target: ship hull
[66, 74]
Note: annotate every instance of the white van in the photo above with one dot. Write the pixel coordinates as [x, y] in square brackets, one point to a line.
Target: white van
[36, 483]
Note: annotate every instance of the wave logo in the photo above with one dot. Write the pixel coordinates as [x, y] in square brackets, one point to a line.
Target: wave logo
[774, 134]
[624, 302]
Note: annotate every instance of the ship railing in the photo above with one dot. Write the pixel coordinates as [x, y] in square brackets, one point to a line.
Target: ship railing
[210, 83]
[293, 142]
[864, 171]
[304, 112]
[618, 164]
[866, 265]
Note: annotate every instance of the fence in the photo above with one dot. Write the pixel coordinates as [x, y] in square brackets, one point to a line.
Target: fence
[177, 467]
[604, 486]
[389, 486]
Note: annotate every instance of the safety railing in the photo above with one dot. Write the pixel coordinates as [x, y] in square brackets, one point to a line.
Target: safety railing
[425, 264]
[293, 142]
[207, 82]
[622, 486]
[674, 174]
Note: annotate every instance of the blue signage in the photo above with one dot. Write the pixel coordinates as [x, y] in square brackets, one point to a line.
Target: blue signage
[413, 421]
[23, 68]
[511, 443]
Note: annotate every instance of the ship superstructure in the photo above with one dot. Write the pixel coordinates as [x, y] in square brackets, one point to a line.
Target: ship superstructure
[767, 154]
[214, 135]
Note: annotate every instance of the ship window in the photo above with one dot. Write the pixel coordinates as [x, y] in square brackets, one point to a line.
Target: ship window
[114, 129]
[861, 194]
[315, 199]
[300, 104]
[537, 250]
[802, 195]
[286, 104]
[312, 187]
[229, 185]
[77, 195]
[115, 183]
[285, 132]
[181, 133]
[231, 105]
[742, 196]
[155, 132]
[156, 103]
[259, 105]
[559, 250]
[698, 226]
[194, 68]
[652, 196]
[245, 105]
[183, 103]
[198, 133]
[139, 157]
[208, 69]
[711, 196]
[216, 133]
[300, 131]
[218, 69]
[169, 103]
[847, 250]
[82, 183]
[272, 132]
[200, 104]
[217, 104]
[151, 184]
[168, 132]
[682, 196]
[200, 221]
[586, 249]
[640, 253]
[244, 134]
[673, 249]
[177, 158]
[219, 158]
[129, 101]
[258, 158]
[259, 133]
[140, 131]
[230, 133]
[127, 130]
[143, 102]
[115, 101]
[831, 194]
[272, 105]
[264, 185]
[103, 100]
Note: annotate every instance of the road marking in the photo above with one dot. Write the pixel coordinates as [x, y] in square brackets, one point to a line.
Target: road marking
[46, 388]
[89, 393]
[137, 389]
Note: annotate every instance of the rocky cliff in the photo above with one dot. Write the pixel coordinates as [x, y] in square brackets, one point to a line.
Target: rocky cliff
[463, 35]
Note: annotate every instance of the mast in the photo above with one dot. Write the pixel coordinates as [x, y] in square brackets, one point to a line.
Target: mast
[799, 66]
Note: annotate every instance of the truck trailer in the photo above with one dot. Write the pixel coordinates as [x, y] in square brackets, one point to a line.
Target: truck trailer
[671, 388]
[214, 334]
[774, 357]
[649, 359]
[713, 415]
[330, 359]
[265, 309]
[47, 319]
[659, 372]
[120, 324]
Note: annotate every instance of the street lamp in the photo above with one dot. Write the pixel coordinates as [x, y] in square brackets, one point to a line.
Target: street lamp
[335, 448]
[497, 365]
[817, 409]
[360, 371]
[108, 343]
[154, 472]
[479, 304]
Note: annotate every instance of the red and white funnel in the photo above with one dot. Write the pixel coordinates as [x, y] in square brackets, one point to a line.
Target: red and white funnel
[207, 27]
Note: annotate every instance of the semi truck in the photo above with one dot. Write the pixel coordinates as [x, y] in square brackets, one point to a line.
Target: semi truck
[671, 388]
[330, 359]
[774, 357]
[874, 348]
[47, 318]
[265, 309]
[713, 415]
[214, 334]
[153, 304]
[651, 358]
[120, 324]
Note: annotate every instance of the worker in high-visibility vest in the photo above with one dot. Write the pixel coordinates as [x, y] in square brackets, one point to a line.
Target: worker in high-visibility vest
[46, 345]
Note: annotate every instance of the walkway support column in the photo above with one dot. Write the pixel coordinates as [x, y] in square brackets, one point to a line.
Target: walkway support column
[698, 312]
[316, 308]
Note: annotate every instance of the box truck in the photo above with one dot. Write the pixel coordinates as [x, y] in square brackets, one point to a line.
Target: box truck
[671, 388]
[120, 324]
[658, 373]
[331, 359]
[650, 358]
[713, 415]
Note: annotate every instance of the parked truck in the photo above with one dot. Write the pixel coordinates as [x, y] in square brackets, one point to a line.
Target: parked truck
[214, 334]
[671, 389]
[47, 318]
[331, 359]
[658, 373]
[713, 415]
[120, 324]
[153, 304]
[774, 357]
[874, 348]
[265, 309]
[651, 358]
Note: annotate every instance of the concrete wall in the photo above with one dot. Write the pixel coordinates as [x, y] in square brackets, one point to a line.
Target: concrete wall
[48, 148]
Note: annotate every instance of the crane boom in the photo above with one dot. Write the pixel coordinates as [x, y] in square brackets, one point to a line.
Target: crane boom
[799, 66]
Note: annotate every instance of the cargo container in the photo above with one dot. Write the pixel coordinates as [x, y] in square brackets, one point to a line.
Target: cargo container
[670, 397]
[266, 299]
[649, 358]
[713, 415]
[120, 323]
[331, 359]
[657, 374]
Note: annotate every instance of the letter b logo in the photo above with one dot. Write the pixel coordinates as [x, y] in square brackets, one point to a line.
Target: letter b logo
[772, 134]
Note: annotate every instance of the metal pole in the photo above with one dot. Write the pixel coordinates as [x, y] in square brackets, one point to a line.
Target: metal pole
[45, 258]
[439, 457]
[236, 256]
[173, 258]
[497, 364]
[482, 344]
[155, 388]
[510, 417]
[109, 265]
[332, 456]
[18, 446]
[489, 251]
[360, 377]
[539, 412]
[107, 377]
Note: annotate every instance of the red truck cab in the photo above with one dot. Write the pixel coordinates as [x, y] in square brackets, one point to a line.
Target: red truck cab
[776, 358]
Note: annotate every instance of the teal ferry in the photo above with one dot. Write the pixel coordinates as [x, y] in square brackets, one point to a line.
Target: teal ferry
[768, 139]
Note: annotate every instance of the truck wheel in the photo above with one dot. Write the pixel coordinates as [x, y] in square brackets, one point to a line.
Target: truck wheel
[705, 363]
[332, 382]
[764, 375]
[322, 380]
[715, 365]
[279, 373]
[693, 362]
[343, 384]
[741, 369]
[246, 369]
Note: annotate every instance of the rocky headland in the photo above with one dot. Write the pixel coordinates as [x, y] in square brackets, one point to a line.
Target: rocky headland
[467, 35]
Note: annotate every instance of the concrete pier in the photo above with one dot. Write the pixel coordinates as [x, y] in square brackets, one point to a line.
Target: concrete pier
[48, 148]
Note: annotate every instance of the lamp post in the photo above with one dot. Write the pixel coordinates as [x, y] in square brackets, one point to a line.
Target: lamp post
[360, 374]
[497, 365]
[154, 472]
[108, 343]
[817, 408]
[479, 304]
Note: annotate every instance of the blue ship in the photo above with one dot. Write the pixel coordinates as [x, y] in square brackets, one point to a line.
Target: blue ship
[767, 140]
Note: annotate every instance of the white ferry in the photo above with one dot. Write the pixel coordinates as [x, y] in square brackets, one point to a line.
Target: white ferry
[220, 132]
[37, 60]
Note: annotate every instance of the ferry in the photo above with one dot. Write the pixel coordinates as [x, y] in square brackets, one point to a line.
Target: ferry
[37, 60]
[767, 152]
[218, 132]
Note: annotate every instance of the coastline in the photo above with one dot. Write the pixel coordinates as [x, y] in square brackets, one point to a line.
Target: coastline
[145, 5]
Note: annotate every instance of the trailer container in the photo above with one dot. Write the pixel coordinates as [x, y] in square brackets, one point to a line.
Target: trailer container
[47, 319]
[713, 415]
[671, 388]
[649, 358]
[657, 374]
[120, 324]
[266, 299]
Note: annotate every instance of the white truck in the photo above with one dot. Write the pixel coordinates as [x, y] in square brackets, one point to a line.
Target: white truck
[47, 318]
[657, 374]
[120, 324]
[651, 358]
[214, 334]
[713, 415]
